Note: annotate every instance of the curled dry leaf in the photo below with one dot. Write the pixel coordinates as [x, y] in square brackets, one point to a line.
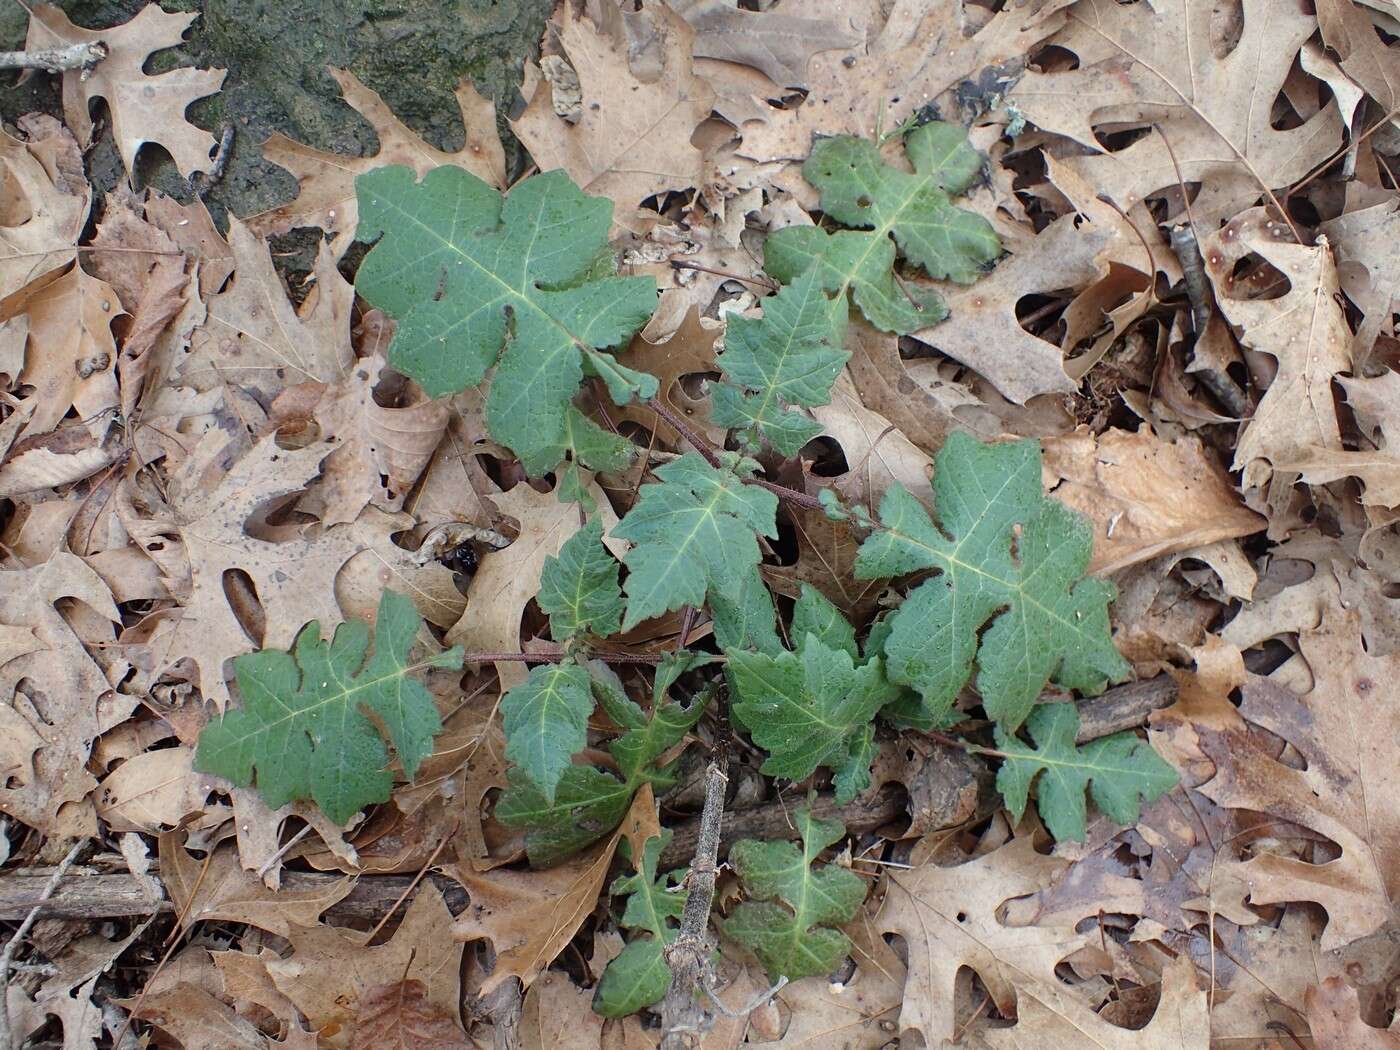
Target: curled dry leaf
[1304, 329]
[143, 108]
[632, 139]
[326, 197]
[1145, 496]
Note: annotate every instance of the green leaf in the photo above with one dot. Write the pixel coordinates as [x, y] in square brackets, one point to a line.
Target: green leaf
[1118, 770]
[810, 708]
[1006, 554]
[305, 729]
[579, 590]
[789, 356]
[814, 614]
[639, 977]
[859, 189]
[748, 621]
[546, 721]
[797, 940]
[588, 803]
[473, 278]
[692, 533]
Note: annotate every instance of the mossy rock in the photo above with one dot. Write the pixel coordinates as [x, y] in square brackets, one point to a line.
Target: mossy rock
[413, 52]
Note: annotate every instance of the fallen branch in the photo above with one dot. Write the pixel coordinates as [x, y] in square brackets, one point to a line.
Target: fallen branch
[57, 59]
[684, 1014]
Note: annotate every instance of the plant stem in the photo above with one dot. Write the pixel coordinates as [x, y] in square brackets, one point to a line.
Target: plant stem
[554, 656]
[683, 1011]
[702, 445]
[681, 264]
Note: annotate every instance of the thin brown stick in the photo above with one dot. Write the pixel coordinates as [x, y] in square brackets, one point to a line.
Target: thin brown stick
[57, 59]
[682, 264]
[7, 957]
[408, 890]
[684, 1014]
[554, 656]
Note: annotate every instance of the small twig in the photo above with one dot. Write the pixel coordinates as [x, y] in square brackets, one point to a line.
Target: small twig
[761, 999]
[554, 656]
[683, 1013]
[682, 264]
[203, 182]
[57, 59]
[408, 890]
[1188, 253]
[7, 957]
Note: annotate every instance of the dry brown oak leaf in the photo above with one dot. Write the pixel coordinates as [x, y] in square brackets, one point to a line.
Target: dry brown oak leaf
[1348, 29]
[948, 917]
[254, 337]
[398, 1016]
[71, 358]
[778, 44]
[293, 569]
[1144, 496]
[982, 330]
[1143, 64]
[1047, 1016]
[1305, 330]
[632, 138]
[1347, 728]
[143, 108]
[1363, 241]
[1334, 1018]
[332, 971]
[922, 50]
[381, 450]
[43, 209]
[326, 197]
[48, 726]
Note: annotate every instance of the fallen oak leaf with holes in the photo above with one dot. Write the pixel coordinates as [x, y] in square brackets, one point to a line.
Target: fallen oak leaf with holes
[326, 181]
[1140, 66]
[39, 230]
[144, 108]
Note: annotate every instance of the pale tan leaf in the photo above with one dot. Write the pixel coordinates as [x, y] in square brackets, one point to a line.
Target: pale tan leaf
[632, 139]
[778, 43]
[1048, 1016]
[154, 791]
[255, 337]
[41, 214]
[326, 197]
[71, 358]
[143, 108]
[1334, 1016]
[219, 888]
[1140, 64]
[1363, 240]
[1144, 496]
[1304, 329]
